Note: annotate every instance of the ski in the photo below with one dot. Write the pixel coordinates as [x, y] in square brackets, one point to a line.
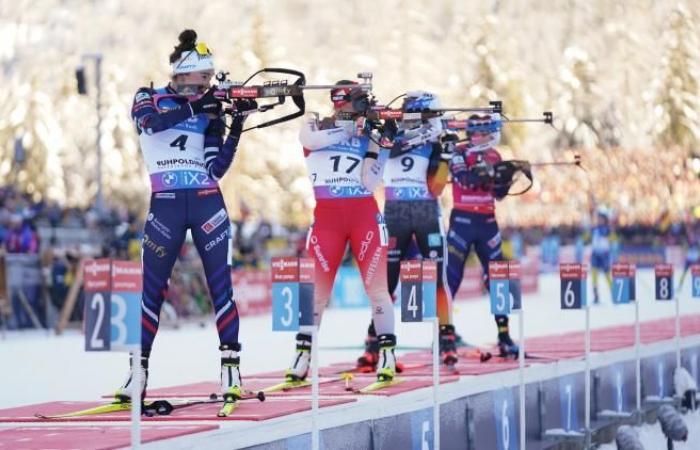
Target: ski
[165, 407]
[287, 385]
[377, 385]
[116, 406]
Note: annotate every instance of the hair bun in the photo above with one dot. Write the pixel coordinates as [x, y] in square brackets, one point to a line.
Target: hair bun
[187, 38]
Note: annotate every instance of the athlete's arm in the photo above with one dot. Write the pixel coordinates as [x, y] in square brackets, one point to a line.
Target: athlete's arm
[373, 165]
[313, 138]
[437, 171]
[149, 120]
[218, 154]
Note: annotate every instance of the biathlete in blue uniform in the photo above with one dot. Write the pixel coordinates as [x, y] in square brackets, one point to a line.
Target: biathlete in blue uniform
[181, 132]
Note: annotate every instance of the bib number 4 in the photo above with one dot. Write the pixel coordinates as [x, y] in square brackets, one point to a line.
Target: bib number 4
[180, 142]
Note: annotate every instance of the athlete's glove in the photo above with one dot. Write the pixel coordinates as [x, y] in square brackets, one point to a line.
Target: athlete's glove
[245, 104]
[503, 173]
[447, 145]
[480, 175]
[206, 104]
[390, 129]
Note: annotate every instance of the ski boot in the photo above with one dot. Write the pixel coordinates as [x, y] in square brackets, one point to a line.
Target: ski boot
[230, 377]
[386, 366]
[368, 361]
[506, 347]
[123, 394]
[448, 349]
[596, 297]
[299, 368]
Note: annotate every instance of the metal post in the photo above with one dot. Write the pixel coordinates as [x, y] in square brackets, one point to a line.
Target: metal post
[315, 438]
[97, 60]
[436, 383]
[136, 398]
[678, 330]
[637, 357]
[98, 104]
[521, 374]
[588, 377]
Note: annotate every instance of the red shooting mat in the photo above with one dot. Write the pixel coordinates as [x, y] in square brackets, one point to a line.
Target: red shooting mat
[92, 437]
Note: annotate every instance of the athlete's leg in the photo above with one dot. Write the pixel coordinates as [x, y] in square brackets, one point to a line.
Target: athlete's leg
[325, 243]
[430, 238]
[397, 215]
[458, 245]
[488, 248]
[368, 240]
[211, 233]
[397, 218]
[163, 235]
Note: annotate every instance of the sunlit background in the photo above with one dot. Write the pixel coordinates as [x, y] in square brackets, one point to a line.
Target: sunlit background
[622, 79]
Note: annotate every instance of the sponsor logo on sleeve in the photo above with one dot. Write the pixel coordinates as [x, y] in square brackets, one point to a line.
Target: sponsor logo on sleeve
[142, 96]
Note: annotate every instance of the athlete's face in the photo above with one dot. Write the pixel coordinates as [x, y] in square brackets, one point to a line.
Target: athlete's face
[192, 83]
[479, 138]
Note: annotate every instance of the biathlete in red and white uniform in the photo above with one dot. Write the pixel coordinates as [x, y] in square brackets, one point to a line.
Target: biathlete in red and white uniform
[345, 166]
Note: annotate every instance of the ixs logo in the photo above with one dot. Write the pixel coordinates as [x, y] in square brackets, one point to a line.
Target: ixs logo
[214, 242]
[214, 221]
[159, 250]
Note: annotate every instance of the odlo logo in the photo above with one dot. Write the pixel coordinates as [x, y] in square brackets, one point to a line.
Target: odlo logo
[159, 250]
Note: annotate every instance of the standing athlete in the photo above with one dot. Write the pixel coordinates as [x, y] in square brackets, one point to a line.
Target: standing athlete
[601, 237]
[414, 179]
[181, 130]
[345, 165]
[473, 219]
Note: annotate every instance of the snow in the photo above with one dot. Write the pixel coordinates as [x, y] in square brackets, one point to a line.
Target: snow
[37, 367]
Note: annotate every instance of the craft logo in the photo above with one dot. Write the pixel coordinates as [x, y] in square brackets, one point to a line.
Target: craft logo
[214, 242]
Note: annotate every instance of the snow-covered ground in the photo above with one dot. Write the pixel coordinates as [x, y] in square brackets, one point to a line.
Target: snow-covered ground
[36, 367]
[652, 438]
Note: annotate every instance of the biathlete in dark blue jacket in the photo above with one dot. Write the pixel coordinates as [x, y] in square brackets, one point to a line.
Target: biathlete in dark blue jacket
[181, 131]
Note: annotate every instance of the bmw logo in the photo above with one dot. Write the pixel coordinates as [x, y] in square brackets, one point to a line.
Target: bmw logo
[169, 179]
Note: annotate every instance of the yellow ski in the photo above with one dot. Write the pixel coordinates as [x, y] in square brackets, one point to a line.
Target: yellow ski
[227, 409]
[287, 385]
[377, 385]
[102, 409]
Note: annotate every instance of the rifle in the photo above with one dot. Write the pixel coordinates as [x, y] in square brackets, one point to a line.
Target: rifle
[228, 90]
[504, 171]
[384, 112]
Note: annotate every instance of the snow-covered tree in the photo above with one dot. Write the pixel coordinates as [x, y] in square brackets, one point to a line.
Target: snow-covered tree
[676, 100]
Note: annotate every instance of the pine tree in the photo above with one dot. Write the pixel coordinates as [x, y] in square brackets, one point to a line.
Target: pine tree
[676, 103]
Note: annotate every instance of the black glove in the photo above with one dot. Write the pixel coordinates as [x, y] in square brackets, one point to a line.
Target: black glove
[390, 129]
[481, 175]
[245, 104]
[503, 173]
[206, 104]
